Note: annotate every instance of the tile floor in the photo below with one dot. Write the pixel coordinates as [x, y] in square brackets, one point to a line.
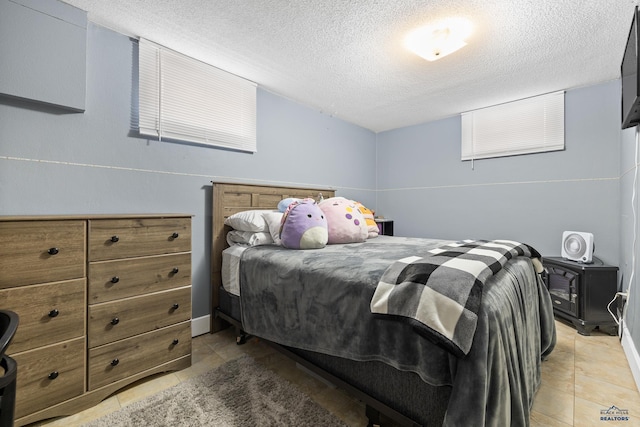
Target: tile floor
[583, 376]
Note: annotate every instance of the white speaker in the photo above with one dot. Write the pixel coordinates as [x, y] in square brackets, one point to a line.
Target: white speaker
[578, 246]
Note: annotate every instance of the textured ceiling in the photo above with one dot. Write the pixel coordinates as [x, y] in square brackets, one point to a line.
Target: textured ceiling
[346, 57]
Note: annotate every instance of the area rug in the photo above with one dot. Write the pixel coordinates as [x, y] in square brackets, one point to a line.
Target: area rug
[239, 393]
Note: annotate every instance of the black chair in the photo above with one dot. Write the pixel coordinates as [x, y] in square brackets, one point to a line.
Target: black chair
[8, 326]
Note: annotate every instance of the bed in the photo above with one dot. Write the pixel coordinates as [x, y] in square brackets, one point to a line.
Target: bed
[326, 323]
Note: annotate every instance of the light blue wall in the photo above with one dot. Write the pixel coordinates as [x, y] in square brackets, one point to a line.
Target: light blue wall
[629, 224]
[428, 191]
[52, 162]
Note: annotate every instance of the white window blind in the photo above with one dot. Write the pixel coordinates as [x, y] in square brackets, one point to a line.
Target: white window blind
[184, 99]
[530, 125]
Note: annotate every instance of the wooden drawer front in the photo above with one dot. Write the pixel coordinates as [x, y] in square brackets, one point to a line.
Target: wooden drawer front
[110, 280]
[38, 387]
[41, 251]
[112, 321]
[124, 238]
[49, 313]
[121, 359]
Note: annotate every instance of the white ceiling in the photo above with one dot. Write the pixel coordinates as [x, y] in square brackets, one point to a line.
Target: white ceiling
[346, 58]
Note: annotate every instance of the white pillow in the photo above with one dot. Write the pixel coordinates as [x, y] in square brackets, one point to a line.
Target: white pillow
[248, 221]
[274, 220]
[235, 237]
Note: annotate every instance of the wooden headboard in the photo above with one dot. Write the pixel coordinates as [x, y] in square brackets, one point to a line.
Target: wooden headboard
[230, 198]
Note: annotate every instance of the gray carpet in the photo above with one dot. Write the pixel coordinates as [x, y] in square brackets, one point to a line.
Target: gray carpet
[239, 393]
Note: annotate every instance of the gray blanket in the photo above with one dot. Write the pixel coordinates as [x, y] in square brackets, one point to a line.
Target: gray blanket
[440, 294]
[318, 300]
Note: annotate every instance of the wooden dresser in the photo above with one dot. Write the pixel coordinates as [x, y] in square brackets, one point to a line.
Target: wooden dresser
[103, 301]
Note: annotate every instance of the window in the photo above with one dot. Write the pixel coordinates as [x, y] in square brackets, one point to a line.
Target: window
[185, 99]
[530, 125]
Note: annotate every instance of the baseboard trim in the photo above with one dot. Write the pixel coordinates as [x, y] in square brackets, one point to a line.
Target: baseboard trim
[632, 354]
[200, 325]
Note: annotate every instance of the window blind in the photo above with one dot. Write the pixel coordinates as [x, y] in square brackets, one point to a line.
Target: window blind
[184, 99]
[530, 125]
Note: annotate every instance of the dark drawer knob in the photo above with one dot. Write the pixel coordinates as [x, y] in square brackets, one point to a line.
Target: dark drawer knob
[175, 235]
[115, 239]
[175, 341]
[53, 375]
[53, 251]
[115, 321]
[54, 313]
[175, 270]
[175, 306]
[115, 279]
[115, 362]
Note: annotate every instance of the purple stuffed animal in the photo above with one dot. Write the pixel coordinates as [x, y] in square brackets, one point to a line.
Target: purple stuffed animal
[304, 226]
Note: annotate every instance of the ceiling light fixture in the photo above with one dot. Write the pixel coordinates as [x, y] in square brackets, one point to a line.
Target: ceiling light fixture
[437, 40]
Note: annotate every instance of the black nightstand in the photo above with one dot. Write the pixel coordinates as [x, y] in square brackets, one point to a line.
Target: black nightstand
[385, 226]
[581, 292]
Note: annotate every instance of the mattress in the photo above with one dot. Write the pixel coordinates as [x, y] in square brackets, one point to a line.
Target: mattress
[286, 294]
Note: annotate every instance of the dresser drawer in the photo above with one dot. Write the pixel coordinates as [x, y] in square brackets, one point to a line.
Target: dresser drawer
[49, 375]
[41, 251]
[121, 359]
[110, 280]
[112, 321]
[48, 313]
[124, 238]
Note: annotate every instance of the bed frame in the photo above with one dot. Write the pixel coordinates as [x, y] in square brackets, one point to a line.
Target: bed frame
[229, 198]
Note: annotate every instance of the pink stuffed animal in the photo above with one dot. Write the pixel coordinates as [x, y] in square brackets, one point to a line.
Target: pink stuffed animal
[346, 223]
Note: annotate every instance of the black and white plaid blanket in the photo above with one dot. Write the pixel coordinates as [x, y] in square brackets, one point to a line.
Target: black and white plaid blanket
[440, 294]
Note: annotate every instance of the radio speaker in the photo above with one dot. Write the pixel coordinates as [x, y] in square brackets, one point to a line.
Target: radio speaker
[577, 246]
